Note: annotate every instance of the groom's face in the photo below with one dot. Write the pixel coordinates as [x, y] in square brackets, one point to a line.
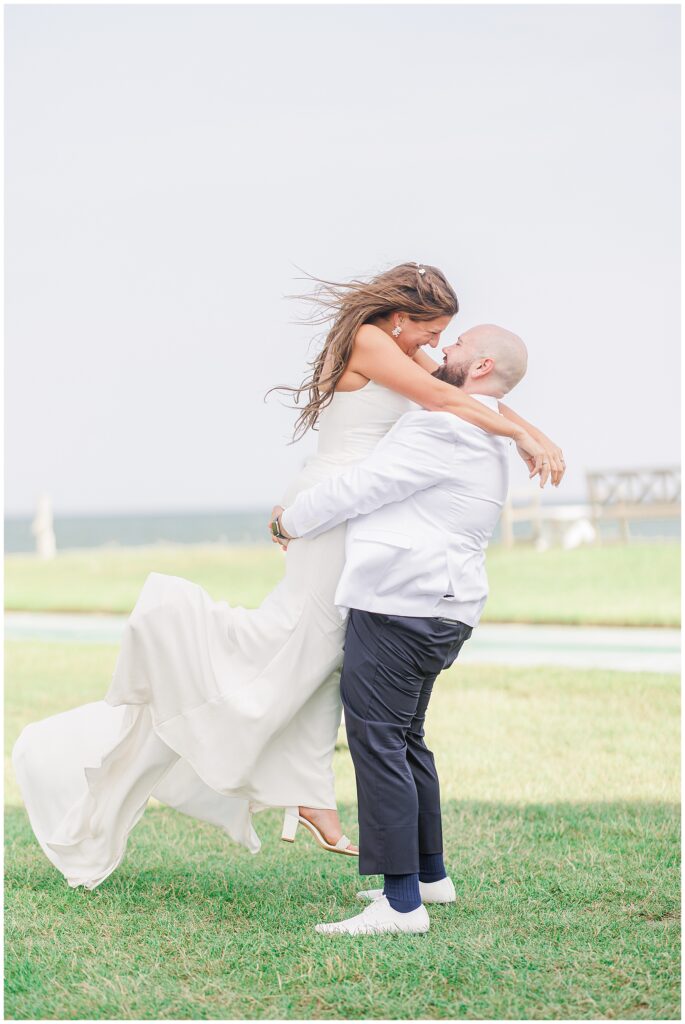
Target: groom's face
[457, 362]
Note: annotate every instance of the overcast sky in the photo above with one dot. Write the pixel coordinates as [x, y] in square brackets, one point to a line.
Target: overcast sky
[169, 167]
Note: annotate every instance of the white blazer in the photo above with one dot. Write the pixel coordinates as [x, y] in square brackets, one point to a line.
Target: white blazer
[423, 506]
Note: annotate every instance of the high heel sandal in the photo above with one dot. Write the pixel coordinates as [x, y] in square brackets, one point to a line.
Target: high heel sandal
[293, 818]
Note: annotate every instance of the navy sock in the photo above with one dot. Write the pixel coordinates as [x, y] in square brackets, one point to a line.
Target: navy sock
[431, 867]
[402, 892]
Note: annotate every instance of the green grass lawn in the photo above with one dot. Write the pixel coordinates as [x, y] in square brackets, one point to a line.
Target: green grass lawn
[634, 584]
[560, 792]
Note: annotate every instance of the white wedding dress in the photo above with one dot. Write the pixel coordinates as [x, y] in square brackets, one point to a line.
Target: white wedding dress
[214, 710]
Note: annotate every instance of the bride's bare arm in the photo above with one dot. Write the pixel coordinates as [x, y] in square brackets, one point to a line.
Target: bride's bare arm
[553, 451]
[378, 358]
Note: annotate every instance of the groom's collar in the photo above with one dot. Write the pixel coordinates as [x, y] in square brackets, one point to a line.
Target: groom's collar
[486, 400]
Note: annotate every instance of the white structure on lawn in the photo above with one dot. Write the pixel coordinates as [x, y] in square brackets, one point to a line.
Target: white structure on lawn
[42, 529]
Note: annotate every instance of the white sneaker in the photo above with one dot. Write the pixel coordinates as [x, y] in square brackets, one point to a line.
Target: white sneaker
[378, 919]
[431, 892]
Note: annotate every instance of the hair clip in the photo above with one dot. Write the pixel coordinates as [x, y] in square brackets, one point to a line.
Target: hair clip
[422, 270]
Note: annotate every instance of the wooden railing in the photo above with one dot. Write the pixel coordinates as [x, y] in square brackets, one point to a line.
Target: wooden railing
[619, 495]
[614, 496]
[527, 511]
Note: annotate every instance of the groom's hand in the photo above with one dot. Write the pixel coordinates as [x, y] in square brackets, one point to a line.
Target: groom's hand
[283, 541]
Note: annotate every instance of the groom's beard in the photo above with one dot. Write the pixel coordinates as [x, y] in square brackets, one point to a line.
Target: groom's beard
[455, 375]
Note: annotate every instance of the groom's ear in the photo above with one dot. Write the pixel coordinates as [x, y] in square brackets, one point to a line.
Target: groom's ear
[479, 368]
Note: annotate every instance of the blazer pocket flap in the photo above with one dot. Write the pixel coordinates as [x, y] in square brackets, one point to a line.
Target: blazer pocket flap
[396, 540]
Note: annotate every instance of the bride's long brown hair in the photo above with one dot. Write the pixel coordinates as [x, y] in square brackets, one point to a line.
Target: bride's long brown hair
[419, 290]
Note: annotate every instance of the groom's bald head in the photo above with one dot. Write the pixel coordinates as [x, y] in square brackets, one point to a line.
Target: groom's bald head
[485, 360]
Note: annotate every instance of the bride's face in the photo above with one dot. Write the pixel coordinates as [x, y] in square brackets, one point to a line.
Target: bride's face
[416, 333]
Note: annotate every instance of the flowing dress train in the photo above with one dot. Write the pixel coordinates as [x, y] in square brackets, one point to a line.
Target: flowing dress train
[217, 711]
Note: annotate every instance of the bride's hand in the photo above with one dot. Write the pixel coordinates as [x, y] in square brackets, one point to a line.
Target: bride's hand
[554, 455]
[557, 463]
[527, 433]
[552, 459]
[535, 457]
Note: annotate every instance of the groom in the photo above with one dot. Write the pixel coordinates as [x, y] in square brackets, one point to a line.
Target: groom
[422, 508]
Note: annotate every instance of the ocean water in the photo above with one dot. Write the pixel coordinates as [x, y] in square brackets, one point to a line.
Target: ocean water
[135, 530]
[248, 527]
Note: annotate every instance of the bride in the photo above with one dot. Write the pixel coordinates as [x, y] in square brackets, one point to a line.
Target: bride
[223, 711]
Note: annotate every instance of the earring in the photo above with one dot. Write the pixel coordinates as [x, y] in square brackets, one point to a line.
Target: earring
[396, 331]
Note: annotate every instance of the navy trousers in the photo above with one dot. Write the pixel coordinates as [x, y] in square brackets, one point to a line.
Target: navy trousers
[390, 665]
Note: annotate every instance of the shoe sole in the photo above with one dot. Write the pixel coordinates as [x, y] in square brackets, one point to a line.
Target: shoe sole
[377, 931]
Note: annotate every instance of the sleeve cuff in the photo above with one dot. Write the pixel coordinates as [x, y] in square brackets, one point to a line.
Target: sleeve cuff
[285, 523]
